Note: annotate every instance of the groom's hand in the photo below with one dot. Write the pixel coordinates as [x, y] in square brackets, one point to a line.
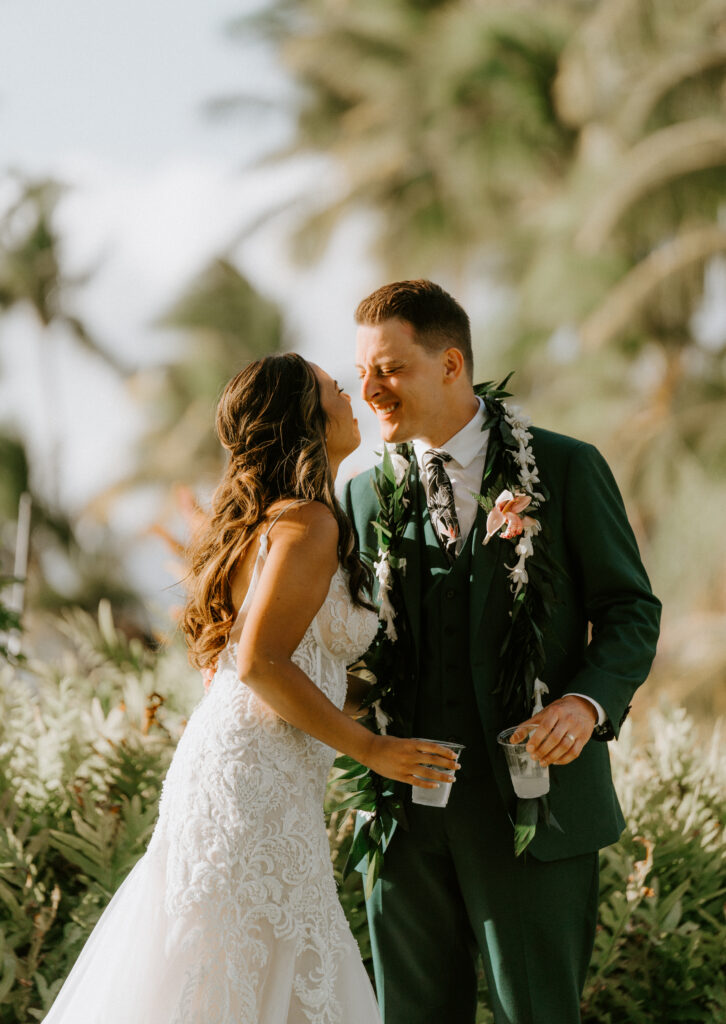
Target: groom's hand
[563, 729]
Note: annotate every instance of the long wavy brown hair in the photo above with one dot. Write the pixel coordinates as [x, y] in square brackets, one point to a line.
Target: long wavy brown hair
[271, 421]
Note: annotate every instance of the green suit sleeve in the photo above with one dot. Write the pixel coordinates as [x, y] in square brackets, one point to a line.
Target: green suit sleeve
[618, 600]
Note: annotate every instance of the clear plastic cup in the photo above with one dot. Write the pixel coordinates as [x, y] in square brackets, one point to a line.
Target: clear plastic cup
[438, 797]
[529, 778]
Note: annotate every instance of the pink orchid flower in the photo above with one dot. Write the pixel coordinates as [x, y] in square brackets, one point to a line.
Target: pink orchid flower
[506, 513]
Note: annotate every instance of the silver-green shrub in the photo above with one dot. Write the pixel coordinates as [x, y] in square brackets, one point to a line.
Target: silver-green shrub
[85, 740]
[659, 948]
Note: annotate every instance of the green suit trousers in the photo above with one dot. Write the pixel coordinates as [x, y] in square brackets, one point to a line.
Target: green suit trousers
[451, 889]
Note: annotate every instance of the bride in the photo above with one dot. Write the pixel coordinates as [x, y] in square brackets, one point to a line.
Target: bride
[232, 916]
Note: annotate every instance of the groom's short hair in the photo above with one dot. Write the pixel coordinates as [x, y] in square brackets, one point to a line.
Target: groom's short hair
[438, 320]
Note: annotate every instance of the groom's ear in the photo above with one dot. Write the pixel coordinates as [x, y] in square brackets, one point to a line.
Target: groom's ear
[453, 363]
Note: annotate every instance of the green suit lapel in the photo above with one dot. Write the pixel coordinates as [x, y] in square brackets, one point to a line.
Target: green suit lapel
[484, 560]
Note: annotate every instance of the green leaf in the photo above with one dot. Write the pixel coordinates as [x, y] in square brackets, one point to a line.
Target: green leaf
[364, 800]
[375, 863]
[356, 772]
[360, 848]
[345, 761]
[526, 824]
[388, 470]
[7, 979]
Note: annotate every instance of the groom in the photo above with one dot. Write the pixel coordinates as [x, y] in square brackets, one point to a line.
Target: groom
[451, 887]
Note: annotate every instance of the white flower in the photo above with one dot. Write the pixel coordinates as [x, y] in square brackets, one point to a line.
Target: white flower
[386, 612]
[518, 576]
[515, 417]
[524, 547]
[521, 436]
[540, 688]
[382, 719]
[528, 477]
[384, 573]
[400, 465]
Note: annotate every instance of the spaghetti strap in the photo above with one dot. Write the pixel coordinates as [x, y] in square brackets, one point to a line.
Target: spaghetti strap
[261, 556]
[298, 501]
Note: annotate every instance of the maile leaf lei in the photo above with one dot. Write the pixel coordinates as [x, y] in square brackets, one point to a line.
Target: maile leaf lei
[390, 661]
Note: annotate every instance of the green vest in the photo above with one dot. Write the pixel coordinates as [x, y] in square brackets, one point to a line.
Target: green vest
[446, 706]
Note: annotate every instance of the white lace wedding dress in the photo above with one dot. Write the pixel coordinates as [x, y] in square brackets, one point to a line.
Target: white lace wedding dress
[232, 915]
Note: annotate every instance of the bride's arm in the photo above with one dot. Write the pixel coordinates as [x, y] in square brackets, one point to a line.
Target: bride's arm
[293, 584]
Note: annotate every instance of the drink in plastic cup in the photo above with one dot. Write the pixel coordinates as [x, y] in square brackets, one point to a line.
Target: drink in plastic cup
[438, 797]
[529, 777]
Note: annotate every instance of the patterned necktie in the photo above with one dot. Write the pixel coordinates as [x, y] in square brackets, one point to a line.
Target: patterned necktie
[440, 500]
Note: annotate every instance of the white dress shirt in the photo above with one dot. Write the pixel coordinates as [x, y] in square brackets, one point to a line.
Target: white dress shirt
[468, 449]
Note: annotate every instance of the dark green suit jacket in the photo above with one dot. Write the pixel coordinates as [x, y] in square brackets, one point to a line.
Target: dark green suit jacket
[604, 585]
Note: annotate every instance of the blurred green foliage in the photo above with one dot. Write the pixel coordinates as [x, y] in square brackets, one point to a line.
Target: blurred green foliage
[33, 278]
[32, 273]
[63, 569]
[222, 323]
[659, 945]
[570, 157]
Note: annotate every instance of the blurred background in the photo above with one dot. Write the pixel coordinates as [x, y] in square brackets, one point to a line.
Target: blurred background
[186, 187]
[182, 190]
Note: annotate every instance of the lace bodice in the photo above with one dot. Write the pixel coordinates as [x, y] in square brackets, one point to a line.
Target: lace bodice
[242, 830]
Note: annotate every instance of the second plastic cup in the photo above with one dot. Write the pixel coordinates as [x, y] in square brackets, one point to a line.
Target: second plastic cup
[438, 797]
[529, 777]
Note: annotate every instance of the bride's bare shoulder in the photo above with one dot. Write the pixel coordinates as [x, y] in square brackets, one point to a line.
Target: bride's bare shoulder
[310, 519]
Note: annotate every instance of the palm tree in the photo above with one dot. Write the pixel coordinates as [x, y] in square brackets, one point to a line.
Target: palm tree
[32, 277]
[437, 116]
[87, 575]
[623, 243]
[223, 323]
[582, 148]
[31, 270]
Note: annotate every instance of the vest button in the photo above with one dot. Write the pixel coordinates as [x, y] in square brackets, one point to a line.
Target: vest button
[450, 592]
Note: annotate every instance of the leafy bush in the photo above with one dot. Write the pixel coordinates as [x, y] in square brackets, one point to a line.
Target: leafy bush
[659, 948]
[85, 743]
[84, 746]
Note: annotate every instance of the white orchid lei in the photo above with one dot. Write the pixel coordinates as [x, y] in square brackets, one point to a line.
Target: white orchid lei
[508, 505]
[515, 486]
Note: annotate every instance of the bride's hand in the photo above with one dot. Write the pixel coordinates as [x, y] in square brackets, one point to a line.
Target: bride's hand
[413, 761]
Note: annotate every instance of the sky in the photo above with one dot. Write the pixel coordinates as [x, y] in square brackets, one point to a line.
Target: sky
[110, 99]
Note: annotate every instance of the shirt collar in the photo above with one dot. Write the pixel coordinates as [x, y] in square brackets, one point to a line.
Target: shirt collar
[465, 445]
